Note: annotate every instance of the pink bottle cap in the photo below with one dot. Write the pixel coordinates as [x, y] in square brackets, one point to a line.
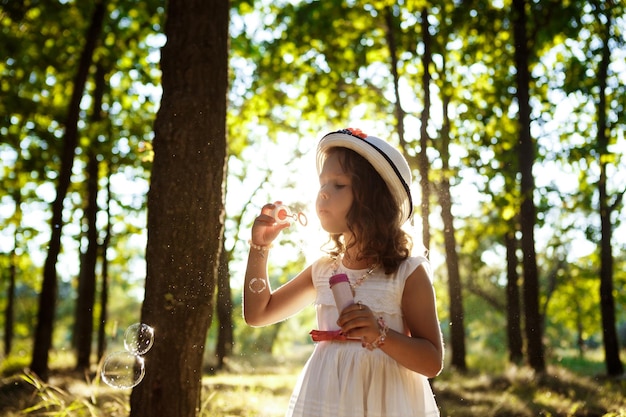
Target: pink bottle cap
[336, 279]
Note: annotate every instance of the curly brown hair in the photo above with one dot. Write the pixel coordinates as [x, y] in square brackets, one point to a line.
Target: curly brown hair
[374, 215]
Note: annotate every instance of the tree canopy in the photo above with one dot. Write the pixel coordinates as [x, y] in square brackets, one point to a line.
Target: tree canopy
[508, 102]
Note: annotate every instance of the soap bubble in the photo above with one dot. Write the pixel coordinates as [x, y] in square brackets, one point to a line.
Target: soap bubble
[138, 338]
[123, 369]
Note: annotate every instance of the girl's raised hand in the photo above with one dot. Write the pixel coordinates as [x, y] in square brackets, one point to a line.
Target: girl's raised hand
[265, 228]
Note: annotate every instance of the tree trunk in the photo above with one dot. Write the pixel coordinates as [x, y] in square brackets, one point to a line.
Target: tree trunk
[455, 287]
[185, 207]
[526, 154]
[513, 310]
[83, 326]
[9, 310]
[614, 366]
[104, 285]
[224, 311]
[393, 53]
[48, 294]
[423, 164]
[10, 306]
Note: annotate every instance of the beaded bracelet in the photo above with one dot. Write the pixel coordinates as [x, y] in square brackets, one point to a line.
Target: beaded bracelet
[380, 340]
[260, 248]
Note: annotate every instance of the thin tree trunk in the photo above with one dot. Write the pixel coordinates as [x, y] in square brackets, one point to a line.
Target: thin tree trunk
[513, 308]
[457, 325]
[9, 310]
[48, 294]
[104, 286]
[87, 277]
[185, 207]
[614, 366]
[393, 53]
[526, 154]
[423, 164]
[224, 310]
[420, 159]
[10, 306]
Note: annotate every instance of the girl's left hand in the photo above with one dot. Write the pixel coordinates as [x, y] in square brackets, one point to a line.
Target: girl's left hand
[358, 321]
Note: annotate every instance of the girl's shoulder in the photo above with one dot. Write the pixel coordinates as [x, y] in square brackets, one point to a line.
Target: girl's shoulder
[323, 267]
[410, 264]
[323, 262]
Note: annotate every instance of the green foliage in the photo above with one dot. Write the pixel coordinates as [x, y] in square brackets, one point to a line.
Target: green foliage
[296, 69]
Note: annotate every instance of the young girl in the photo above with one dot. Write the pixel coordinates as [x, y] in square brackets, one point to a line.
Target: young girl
[372, 358]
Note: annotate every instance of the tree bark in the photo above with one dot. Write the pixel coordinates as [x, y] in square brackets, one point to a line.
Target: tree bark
[48, 294]
[185, 207]
[526, 154]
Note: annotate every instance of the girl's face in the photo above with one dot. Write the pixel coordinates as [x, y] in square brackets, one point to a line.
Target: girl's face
[334, 198]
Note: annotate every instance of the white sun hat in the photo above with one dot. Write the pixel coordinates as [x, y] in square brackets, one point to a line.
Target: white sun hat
[385, 159]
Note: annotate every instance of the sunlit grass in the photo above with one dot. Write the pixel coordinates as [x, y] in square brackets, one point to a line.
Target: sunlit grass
[247, 395]
[257, 385]
[520, 392]
[260, 385]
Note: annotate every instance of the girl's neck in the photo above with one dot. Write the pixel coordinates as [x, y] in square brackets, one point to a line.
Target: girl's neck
[351, 256]
[351, 260]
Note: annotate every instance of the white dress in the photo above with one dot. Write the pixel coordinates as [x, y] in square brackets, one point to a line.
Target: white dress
[343, 379]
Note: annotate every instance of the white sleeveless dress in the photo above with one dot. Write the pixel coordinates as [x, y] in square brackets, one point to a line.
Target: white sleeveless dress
[343, 379]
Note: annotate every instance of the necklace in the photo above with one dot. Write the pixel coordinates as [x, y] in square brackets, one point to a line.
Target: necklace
[359, 280]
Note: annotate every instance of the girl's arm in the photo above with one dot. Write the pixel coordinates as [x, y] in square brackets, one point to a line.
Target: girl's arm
[422, 350]
[261, 305]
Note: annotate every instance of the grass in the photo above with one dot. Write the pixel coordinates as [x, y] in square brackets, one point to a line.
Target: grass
[570, 388]
[519, 392]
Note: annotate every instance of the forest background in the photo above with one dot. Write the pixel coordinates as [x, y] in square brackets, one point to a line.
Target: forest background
[491, 101]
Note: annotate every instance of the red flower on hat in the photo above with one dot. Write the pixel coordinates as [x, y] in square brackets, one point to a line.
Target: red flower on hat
[356, 132]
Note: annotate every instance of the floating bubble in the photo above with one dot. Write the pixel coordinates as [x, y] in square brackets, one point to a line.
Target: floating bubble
[138, 338]
[123, 370]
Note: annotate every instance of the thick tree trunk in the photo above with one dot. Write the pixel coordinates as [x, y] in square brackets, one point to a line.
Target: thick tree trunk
[185, 207]
[48, 294]
[526, 154]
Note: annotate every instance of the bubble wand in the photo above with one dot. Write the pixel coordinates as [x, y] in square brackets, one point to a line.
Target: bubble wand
[282, 214]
